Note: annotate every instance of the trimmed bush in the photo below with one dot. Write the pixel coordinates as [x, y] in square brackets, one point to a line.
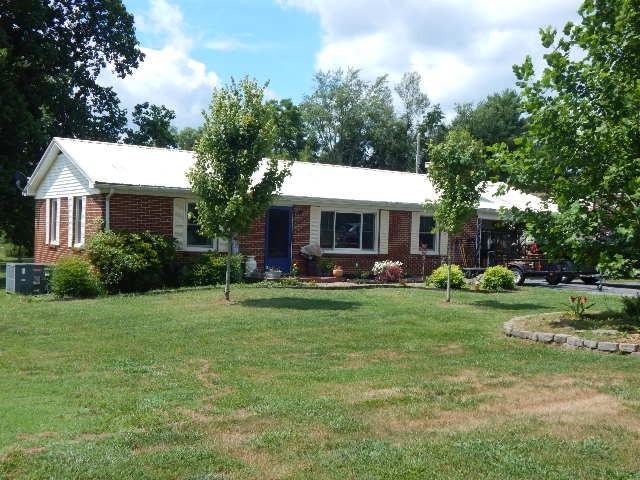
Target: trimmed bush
[438, 277]
[133, 262]
[498, 278]
[73, 276]
[211, 268]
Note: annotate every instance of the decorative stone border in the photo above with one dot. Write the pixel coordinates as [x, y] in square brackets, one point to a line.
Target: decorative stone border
[570, 341]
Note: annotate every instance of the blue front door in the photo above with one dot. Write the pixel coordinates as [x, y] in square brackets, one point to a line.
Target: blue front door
[278, 239]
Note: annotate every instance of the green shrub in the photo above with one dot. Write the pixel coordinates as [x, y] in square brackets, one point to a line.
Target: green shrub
[131, 262]
[498, 278]
[326, 266]
[73, 276]
[631, 307]
[438, 277]
[211, 268]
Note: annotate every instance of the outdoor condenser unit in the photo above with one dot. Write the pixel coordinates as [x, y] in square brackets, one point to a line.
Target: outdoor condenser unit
[27, 278]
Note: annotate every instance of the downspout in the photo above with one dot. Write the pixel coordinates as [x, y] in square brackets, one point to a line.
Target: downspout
[107, 211]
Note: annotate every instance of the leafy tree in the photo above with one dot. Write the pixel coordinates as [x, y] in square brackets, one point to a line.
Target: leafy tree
[415, 104]
[351, 121]
[457, 171]
[289, 142]
[433, 130]
[582, 148]
[51, 54]
[496, 119]
[154, 126]
[238, 132]
[187, 138]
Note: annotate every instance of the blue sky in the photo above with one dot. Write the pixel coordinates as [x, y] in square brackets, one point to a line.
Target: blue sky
[463, 49]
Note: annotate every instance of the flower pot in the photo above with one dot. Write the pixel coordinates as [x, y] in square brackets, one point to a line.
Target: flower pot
[338, 272]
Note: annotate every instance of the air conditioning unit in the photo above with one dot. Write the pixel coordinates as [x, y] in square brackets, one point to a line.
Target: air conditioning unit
[27, 278]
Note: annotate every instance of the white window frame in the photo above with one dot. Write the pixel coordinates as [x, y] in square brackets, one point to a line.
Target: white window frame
[56, 228]
[434, 233]
[78, 228]
[196, 248]
[372, 251]
[415, 236]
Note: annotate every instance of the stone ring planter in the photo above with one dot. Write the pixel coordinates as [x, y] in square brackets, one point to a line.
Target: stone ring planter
[570, 341]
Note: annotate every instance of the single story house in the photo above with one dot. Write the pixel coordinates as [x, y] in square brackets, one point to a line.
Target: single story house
[356, 215]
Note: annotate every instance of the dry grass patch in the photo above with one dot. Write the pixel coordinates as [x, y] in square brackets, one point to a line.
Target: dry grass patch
[554, 401]
[363, 359]
[449, 349]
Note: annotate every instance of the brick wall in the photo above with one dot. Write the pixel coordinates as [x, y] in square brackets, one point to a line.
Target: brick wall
[252, 243]
[141, 213]
[94, 216]
[399, 244]
[300, 234]
[154, 213]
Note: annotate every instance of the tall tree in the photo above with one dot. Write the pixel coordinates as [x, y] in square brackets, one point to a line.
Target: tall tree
[415, 104]
[458, 172]
[238, 132]
[432, 130]
[51, 54]
[187, 137]
[154, 126]
[496, 119]
[350, 121]
[289, 142]
[582, 148]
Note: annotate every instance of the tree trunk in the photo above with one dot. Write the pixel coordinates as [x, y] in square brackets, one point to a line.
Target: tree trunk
[227, 279]
[448, 298]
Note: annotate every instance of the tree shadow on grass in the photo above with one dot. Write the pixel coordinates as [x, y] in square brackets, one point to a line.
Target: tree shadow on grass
[505, 306]
[297, 303]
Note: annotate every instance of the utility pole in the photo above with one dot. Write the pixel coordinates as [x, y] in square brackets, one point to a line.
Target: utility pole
[418, 150]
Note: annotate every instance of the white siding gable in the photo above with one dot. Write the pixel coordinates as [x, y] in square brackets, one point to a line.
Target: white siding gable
[64, 179]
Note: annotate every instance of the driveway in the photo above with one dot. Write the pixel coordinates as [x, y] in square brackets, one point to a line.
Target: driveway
[578, 286]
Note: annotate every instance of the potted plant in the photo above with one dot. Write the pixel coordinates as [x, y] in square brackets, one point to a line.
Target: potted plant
[337, 271]
[272, 273]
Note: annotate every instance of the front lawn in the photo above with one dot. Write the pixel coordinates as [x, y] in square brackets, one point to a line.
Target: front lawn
[377, 384]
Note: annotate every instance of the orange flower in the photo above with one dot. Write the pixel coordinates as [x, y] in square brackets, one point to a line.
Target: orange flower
[573, 299]
[583, 300]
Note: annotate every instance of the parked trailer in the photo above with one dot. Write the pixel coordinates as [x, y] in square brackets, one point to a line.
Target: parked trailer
[532, 266]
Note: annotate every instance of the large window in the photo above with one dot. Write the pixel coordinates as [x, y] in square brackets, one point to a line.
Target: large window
[78, 218]
[194, 238]
[347, 230]
[54, 220]
[426, 237]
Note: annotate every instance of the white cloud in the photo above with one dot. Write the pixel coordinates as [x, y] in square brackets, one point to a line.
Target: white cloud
[169, 75]
[228, 44]
[464, 49]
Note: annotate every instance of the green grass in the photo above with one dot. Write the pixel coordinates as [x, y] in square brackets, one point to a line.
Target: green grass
[372, 384]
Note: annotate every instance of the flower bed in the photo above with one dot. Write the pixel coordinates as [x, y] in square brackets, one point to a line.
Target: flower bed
[556, 329]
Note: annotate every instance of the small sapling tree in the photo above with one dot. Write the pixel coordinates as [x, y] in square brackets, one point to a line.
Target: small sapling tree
[457, 171]
[231, 177]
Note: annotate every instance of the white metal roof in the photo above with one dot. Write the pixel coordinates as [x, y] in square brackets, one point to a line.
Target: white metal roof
[118, 165]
